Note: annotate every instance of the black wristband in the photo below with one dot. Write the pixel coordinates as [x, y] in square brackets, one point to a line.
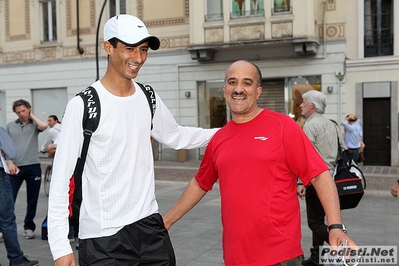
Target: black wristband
[397, 181]
[338, 226]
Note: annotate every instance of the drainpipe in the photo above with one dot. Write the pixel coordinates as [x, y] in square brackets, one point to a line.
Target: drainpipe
[80, 49]
[97, 33]
[340, 77]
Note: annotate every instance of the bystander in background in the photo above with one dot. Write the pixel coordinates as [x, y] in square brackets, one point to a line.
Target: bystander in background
[55, 129]
[7, 216]
[353, 135]
[26, 167]
[325, 137]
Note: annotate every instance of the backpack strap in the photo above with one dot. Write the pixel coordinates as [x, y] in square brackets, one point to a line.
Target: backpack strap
[150, 94]
[90, 121]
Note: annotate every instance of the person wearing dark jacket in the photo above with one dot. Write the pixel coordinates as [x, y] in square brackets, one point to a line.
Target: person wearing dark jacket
[7, 216]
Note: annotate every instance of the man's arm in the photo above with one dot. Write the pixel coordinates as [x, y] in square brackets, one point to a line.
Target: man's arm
[7, 145]
[190, 197]
[51, 148]
[167, 131]
[395, 190]
[68, 260]
[328, 195]
[47, 141]
[41, 125]
[63, 166]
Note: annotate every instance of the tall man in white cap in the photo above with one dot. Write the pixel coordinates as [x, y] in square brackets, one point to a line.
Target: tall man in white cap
[119, 219]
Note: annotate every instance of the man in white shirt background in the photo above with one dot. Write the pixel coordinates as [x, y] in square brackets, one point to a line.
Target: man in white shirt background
[55, 129]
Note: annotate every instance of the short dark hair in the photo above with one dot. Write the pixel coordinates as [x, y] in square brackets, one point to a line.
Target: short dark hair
[54, 117]
[352, 120]
[259, 73]
[114, 42]
[21, 102]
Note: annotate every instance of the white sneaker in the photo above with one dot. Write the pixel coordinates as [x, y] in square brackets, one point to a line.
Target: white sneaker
[1, 237]
[29, 234]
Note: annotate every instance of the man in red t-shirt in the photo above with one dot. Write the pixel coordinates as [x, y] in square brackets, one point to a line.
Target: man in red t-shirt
[257, 158]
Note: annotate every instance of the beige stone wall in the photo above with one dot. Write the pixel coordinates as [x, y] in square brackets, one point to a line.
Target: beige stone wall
[333, 14]
[178, 24]
[20, 28]
[352, 26]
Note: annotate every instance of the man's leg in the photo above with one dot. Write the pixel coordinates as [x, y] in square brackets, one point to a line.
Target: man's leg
[7, 219]
[16, 182]
[33, 181]
[355, 155]
[156, 247]
[110, 250]
[145, 242]
[294, 262]
[315, 214]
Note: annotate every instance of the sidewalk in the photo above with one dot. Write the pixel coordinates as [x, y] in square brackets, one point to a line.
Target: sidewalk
[379, 179]
[197, 236]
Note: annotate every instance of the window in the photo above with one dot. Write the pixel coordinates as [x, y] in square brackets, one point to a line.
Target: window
[49, 20]
[298, 86]
[117, 7]
[378, 28]
[48, 101]
[245, 8]
[214, 10]
[281, 6]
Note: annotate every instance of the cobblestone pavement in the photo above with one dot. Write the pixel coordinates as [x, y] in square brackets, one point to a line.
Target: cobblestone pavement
[197, 236]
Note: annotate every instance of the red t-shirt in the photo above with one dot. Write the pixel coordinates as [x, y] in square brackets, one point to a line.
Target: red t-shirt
[257, 164]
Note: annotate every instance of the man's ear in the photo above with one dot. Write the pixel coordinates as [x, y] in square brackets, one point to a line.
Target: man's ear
[107, 47]
[259, 92]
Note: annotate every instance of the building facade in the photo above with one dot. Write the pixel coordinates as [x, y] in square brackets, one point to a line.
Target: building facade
[52, 49]
[372, 75]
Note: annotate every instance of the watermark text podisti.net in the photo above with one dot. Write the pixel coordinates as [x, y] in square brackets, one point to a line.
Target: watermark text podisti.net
[365, 255]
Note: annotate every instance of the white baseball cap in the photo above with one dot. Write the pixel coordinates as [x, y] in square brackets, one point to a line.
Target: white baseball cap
[129, 29]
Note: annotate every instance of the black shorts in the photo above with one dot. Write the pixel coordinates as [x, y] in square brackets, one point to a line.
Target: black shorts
[145, 242]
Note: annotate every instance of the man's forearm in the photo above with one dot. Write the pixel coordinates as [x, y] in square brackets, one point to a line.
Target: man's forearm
[328, 195]
[190, 197]
[41, 125]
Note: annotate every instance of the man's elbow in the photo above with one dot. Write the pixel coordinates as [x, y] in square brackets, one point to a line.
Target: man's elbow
[326, 175]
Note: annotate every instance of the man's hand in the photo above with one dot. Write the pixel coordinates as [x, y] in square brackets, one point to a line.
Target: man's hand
[14, 170]
[395, 190]
[41, 125]
[51, 148]
[337, 236]
[67, 260]
[301, 191]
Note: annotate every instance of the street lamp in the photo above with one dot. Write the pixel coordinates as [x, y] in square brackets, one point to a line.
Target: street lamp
[98, 28]
[80, 49]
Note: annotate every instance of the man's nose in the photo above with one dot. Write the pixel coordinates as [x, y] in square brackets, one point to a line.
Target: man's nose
[137, 56]
[239, 88]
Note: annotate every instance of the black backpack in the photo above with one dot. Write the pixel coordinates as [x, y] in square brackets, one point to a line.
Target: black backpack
[90, 121]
